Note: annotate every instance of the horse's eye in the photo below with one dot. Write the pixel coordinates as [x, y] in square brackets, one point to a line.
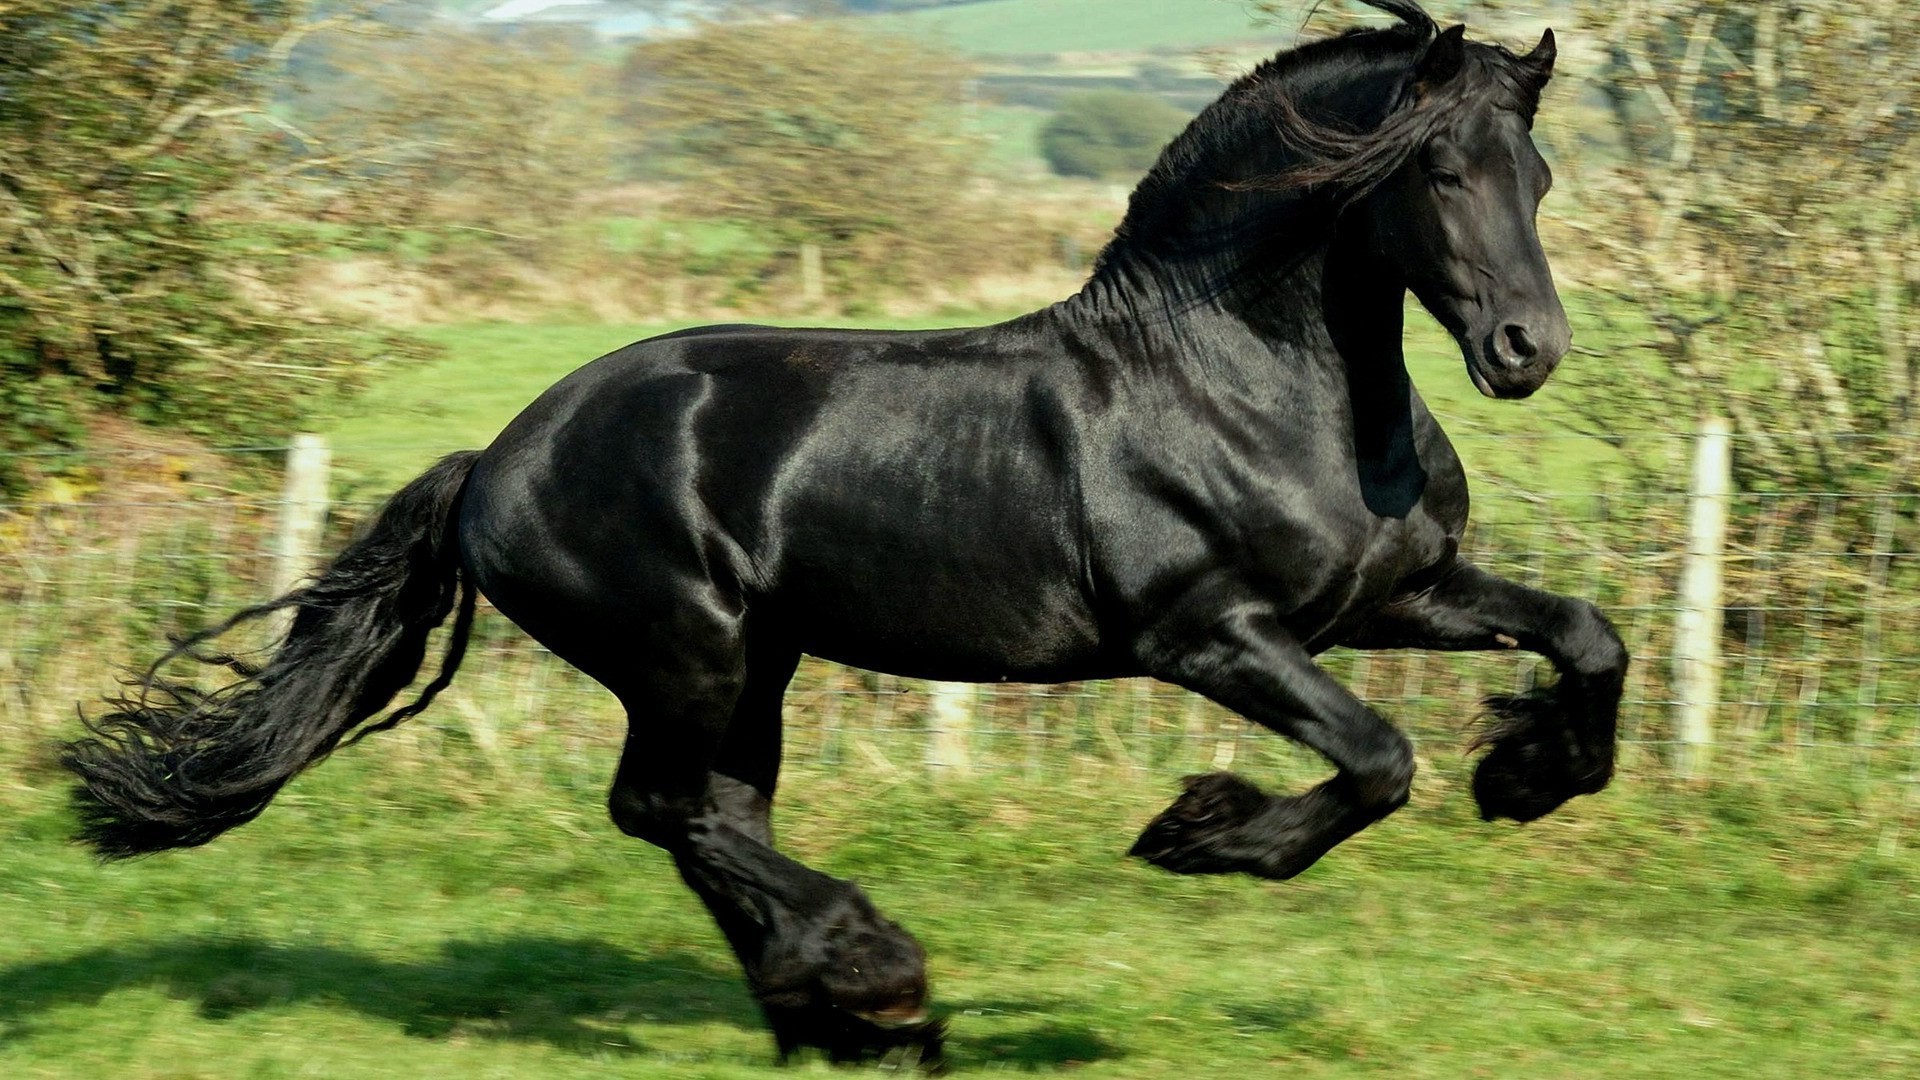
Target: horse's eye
[1443, 178]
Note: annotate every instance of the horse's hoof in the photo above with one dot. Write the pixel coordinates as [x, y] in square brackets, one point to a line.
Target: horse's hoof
[1534, 767]
[1186, 837]
[924, 1052]
[849, 1038]
[1508, 784]
[919, 1047]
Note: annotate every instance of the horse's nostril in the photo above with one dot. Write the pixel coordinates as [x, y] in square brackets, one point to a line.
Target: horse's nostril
[1521, 348]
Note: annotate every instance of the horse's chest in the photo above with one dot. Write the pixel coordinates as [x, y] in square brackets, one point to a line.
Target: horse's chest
[1395, 548]
[1341, 566]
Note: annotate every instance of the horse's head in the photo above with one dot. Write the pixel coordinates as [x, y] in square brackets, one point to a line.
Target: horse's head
[1456, 219]
[1406, 149]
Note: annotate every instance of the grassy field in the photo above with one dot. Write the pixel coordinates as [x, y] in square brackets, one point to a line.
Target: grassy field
[403, 914]
[1011, 136]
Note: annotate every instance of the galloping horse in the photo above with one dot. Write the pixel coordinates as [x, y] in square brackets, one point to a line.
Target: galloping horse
[1207, 466]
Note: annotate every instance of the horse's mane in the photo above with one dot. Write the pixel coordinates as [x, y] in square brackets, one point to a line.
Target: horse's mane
[1309, 161]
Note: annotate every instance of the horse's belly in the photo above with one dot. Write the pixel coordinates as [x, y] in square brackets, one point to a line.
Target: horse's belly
[940, 618]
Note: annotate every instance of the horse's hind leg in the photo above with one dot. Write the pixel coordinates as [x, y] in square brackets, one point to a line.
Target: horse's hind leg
[697, 778]
[1233, 649]
[1551, 743]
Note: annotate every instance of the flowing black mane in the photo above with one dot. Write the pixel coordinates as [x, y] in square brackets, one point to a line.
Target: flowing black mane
[1262, 171]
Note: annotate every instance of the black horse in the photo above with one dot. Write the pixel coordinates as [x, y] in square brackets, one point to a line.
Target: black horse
[1206, 467]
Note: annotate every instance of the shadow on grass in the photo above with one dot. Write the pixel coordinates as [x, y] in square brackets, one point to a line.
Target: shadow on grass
[1044, 1046]
[577, 995]
[1284, 1015]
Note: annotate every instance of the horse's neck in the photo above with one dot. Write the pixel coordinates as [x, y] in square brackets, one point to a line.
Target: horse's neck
[1363, 309]
[1330, 316]
[1326, 334]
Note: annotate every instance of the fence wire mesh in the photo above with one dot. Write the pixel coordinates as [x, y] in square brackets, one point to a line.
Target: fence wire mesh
[1820, 632]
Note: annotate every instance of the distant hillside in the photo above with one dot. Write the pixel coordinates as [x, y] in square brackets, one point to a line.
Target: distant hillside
[1022, 27]
[864, 6]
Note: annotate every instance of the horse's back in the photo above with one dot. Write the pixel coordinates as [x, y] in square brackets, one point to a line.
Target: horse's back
[901, 501]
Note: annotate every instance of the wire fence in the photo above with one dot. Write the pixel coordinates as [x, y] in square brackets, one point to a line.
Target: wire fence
[1820, 628]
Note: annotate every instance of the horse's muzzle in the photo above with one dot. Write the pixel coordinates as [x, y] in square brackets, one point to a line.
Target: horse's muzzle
[1517, 357]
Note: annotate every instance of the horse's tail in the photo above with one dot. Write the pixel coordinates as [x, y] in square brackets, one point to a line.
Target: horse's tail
[175, 766]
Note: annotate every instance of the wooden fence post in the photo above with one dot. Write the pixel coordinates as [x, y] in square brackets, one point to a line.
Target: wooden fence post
[303, 511]
[1696, 647]
[950, 719]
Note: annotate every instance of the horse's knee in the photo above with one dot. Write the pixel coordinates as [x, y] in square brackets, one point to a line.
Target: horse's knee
[658, 819]
[741, 805]
[1595, 651]
[1384, 784]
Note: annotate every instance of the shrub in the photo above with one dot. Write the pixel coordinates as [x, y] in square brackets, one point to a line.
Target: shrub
[821, 132]
[1108, 134]
[142, 272]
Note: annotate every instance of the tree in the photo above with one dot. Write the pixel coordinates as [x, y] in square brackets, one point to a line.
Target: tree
[140, 272]
[819, 131]
[1758, 194]
[1108, 134]
[454, 130]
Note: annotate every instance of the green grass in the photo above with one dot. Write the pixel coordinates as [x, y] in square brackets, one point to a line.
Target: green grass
[401, 915]
[1019, 27]
[490, 372]
[697, 239]
[1012, 139]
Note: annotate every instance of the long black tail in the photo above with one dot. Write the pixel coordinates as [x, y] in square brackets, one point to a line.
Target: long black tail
[175, 766]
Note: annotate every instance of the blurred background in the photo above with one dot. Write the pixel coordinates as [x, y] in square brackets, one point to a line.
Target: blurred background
[261, 261]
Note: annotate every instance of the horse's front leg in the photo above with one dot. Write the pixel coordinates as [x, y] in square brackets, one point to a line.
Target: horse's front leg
[1551, 743]
[1234, 650]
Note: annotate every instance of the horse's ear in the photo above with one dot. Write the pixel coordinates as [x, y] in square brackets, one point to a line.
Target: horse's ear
[1444, 57]
[1541, 58]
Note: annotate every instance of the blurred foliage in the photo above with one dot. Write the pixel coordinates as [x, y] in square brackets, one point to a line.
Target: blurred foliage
[140, 270]
[1108, 134]
[818, 131]
[1757, 194]
[1753, 208]
[450, 130]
